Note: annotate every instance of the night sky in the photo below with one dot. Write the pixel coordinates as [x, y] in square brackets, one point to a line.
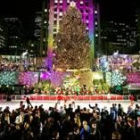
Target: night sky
[120, 10]
[24, 9]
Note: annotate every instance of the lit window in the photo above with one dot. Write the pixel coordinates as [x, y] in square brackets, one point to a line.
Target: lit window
[96, 35]
[60, 13]
[45, 22]
[87, 21]
[96, 23]
[68, 1]
[61, 1]
[45, 10]
[44, 39]
[55, 16]
[43, 52]
[87, 24]
[95, 11]
[81, 2]
[86, 4]
[56, 1]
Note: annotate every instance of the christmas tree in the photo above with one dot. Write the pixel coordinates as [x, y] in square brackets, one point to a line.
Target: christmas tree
[72, 42]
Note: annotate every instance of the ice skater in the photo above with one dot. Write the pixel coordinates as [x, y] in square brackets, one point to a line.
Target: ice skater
[28, 102]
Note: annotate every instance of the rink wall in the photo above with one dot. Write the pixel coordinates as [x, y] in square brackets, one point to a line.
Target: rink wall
[63, 97]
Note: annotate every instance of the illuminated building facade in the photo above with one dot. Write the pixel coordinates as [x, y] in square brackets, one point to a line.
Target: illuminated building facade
[90, 15]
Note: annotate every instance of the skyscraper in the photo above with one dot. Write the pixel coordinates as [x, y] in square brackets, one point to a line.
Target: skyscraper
[117, 36]
[137, 28]
[41, 28]
[15, 44]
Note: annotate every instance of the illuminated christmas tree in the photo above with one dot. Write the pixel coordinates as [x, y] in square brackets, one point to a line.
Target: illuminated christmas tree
[72, 42]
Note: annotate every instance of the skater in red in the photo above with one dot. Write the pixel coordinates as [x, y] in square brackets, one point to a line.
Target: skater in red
[132, 98]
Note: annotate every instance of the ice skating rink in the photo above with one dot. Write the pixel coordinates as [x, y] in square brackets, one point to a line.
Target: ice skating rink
[46, 104]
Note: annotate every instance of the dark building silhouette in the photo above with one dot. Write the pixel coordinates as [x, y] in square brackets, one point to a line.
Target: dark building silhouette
[3, 36]
[15, 36]
[118, 36]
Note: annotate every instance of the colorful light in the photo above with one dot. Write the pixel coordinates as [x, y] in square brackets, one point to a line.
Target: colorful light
[108, 78]
[28, 78]
[133, 77]
[8, 78]
[117, 78]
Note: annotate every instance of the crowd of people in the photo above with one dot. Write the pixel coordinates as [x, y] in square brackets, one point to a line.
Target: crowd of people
[29, 122]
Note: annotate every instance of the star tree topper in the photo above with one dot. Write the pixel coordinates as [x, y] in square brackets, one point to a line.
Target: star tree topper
[72, 4]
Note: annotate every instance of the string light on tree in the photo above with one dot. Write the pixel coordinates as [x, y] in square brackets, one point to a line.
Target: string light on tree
[72, 41]
[72, 4]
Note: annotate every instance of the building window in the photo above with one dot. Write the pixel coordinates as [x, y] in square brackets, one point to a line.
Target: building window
[87, 24]
[54, 35]
[56, 1]
[96, 35]
[60, 18]
[60, 13]
[86, 17]
[54, 30]
[60, 9]
[96, 23]
[45, 22]
[81, 10]
[86, 4]
[44, 39]
[55, 15]
[81, 2]
[55, 4]
[87, 11]
[96, 12]
[55, 12]
[55, 22]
